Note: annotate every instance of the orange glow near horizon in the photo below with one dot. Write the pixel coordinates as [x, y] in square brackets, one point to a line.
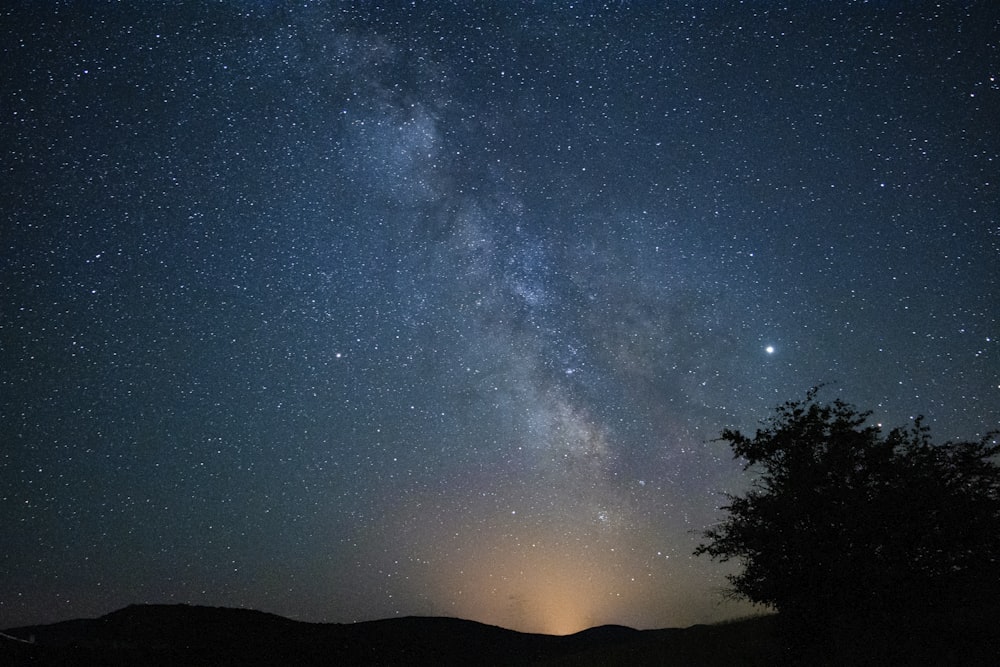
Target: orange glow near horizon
[588, 561]
[540, 587]
[561, 587]
[541, 599]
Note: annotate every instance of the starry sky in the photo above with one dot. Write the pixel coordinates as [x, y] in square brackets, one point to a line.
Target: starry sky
[344, 311]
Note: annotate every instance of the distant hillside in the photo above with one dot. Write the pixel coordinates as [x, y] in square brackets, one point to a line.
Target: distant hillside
[152, 635]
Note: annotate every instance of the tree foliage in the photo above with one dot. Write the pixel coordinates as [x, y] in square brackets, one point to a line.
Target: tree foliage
[843, 519]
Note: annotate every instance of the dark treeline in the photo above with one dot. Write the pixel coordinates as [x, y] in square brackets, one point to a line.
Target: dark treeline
[874, 547]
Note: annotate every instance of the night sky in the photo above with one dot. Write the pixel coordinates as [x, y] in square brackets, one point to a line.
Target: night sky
[353, 310]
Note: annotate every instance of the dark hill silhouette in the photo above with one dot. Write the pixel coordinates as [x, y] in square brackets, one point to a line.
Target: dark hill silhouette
[189, 635]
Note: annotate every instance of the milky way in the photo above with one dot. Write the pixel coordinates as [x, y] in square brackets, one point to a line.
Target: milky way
[344, 312]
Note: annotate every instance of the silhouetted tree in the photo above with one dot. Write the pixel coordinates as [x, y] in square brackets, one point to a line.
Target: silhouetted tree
[848, 527]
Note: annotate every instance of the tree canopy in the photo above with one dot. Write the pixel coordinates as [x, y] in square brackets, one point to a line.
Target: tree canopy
[845, 520]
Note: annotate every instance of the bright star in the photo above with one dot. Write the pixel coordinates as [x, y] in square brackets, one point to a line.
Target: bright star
[769, 349]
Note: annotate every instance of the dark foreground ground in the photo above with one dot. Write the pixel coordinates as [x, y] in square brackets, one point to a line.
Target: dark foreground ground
[152, 635]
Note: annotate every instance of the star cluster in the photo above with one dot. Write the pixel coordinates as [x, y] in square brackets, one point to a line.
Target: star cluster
[350, 310]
